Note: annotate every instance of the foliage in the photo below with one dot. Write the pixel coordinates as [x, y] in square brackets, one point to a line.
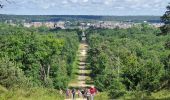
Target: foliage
[10, 74]
[43, 57]
[102, 96]
[166, 19]
[144, 95]
[133, 59]
[30, 94]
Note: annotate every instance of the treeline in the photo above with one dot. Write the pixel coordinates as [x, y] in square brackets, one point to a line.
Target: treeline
[36, 57]
[133, 60]
[54, 18]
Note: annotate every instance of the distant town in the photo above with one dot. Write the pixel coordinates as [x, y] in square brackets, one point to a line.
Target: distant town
[73, 25]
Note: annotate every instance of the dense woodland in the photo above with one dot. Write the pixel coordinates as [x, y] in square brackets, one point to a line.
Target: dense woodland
[132, 63]
[125, 63]
[36, 57]
[129, 61]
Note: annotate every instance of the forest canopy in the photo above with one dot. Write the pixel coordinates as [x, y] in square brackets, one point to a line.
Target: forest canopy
[133, 59]
[36, 58]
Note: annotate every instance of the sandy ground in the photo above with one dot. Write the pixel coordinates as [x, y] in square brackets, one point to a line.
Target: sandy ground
[82, 72]
[83, 48]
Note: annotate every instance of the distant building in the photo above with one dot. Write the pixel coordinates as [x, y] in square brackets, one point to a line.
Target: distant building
[49, 24]
[27, 25]
[157, 24]
[112, 25]
[36, 24]
[145, 21]
[60, 24]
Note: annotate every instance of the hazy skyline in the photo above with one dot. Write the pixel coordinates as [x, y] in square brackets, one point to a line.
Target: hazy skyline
[84, 7]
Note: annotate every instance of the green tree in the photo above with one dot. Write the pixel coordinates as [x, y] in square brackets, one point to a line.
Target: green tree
[125, 60]
[10, 74]
[166, 19]
[45, 57]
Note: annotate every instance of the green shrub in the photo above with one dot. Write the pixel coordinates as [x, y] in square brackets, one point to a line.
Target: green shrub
[30, 94]
[102, 96]
[10, 74]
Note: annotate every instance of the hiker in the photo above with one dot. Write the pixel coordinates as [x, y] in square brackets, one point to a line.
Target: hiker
[73, 93]
[88, 94]
[67, 93]
[93, 92]
[83, 92]
[79, 93]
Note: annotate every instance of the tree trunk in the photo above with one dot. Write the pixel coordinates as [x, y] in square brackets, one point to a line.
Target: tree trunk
[48, 71]
[42, 72]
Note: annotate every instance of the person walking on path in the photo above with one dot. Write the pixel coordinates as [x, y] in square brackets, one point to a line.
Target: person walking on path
[83, 93]
[93, 92]
[88, 94]
[73, 93]
[79, 93]
[67, 93]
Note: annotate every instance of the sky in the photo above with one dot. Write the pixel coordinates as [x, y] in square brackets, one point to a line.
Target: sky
[84, 7]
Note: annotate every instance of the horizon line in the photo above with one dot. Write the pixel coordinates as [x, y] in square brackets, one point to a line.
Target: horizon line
[73, 15]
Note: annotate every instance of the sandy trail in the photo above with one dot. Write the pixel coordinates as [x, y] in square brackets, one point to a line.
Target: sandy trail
[83, 73]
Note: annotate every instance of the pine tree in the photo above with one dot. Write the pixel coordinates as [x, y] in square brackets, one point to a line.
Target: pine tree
[166, 19]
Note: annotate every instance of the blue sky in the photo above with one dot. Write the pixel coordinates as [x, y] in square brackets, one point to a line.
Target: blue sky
[84, 7]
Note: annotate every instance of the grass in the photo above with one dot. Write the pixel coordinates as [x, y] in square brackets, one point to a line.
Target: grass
[133, 95]
[163, 95]
[30, 94]
[102, 96]
[76, 68]
[160, 95]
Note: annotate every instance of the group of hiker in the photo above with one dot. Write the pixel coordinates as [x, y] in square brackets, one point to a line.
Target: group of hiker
[87, 93]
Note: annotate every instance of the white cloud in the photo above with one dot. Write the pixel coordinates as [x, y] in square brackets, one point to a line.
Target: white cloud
[96, 6]
[85, 0]
[108, 2]
[65, 2]
[74, 1]
[119, 8]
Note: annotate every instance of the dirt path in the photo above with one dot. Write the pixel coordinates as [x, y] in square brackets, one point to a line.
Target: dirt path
[83, 72]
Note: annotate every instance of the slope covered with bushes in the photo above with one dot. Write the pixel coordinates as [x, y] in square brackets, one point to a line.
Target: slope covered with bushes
[36, 58]
[125, 60]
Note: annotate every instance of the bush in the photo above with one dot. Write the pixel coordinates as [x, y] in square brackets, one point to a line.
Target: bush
[10, 74]
[117, 89]
[30, 94]
[102, 96]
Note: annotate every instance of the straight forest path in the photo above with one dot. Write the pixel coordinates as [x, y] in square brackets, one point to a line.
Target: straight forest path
[83, 73]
